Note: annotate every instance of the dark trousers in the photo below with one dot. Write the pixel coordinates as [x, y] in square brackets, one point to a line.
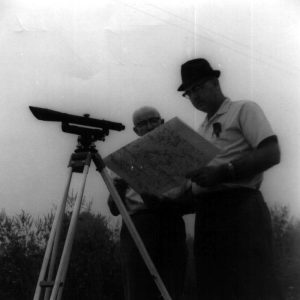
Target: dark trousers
[233, 247]
[165, 240]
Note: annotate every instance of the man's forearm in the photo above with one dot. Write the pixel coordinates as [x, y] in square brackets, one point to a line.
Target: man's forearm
[266, 155]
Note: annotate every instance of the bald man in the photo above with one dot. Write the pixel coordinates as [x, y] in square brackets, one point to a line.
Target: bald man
[161, 227]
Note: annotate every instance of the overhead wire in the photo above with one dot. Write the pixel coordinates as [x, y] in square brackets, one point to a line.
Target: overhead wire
[212, 40]
[220, 35]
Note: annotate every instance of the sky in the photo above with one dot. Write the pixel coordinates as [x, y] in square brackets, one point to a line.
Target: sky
[108, 58]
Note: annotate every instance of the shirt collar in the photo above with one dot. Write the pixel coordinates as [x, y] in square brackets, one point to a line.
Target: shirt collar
[222, 110]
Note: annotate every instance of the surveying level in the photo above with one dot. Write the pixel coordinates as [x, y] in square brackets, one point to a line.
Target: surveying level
[49, 285]
[45, 114]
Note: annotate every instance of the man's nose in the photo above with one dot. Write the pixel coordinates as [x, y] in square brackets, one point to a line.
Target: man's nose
[149, 125]
[192, 96]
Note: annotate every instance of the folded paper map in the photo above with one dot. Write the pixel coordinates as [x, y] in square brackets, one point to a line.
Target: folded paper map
[160, 160]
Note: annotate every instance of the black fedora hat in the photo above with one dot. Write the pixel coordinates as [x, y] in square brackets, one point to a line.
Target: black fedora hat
[194, 71]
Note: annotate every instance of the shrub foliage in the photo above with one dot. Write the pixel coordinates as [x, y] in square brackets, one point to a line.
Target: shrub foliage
[94, 269]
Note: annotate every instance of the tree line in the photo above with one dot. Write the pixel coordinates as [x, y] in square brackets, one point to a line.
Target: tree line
[95, 272]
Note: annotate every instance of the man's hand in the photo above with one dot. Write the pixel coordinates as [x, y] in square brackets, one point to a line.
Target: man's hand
[121, 186]
[151, 200]
[208, 176]
[112, 206]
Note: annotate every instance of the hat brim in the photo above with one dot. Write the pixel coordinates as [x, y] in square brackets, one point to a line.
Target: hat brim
[187, 85]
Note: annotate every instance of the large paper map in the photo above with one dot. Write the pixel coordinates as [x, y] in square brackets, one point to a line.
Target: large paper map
[159, 161]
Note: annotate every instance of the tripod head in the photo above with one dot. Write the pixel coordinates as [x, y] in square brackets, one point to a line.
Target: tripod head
[86, 135]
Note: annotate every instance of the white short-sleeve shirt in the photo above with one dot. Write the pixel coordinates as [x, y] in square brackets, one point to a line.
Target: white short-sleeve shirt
[236, 128]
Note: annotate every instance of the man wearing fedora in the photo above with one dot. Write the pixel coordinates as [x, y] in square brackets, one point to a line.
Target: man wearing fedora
[233, 235]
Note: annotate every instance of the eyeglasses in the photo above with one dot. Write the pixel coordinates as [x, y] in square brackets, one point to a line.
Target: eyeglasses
[151, 121]
[187, 94]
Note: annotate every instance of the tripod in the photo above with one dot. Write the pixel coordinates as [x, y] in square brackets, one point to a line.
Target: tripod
[80, 161]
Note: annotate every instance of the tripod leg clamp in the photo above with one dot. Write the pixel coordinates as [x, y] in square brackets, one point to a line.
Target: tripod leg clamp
[79, 160]
[98, 161]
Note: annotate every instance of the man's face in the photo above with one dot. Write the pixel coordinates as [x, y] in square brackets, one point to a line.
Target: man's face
[202, 96]
[146, 122]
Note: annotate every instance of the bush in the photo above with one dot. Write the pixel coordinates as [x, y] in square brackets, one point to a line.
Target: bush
[20, 256]
[286, 233]
[94, 270]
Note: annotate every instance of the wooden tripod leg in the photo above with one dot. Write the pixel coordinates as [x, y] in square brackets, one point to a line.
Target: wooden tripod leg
[57, 238]
[57, 222]
[64, 262]
[131, 228]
